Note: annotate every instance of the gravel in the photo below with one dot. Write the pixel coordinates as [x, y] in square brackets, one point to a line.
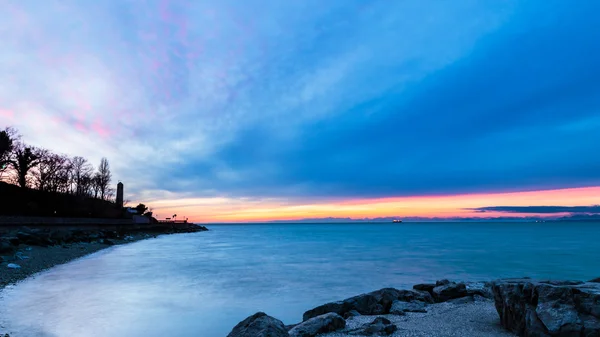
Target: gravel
[477, 318]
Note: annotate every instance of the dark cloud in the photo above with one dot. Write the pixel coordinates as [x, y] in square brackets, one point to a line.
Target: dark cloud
[541, 209]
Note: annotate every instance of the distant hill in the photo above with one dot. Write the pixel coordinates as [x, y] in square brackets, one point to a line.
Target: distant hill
[17, 201]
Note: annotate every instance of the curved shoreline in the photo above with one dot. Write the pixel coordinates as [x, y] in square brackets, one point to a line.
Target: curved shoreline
[39, 253]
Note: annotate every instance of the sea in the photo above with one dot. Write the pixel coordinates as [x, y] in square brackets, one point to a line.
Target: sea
[203, 284]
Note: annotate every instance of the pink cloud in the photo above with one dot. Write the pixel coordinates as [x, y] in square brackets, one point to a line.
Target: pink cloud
[8, 114]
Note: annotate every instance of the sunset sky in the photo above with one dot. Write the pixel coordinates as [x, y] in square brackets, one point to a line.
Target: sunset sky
[228, 110]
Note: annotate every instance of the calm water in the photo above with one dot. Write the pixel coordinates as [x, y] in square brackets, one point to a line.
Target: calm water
[202, 284]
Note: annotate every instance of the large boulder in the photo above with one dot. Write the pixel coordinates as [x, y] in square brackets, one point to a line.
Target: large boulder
[449, 291]
[259, 325]
[428, 287]
[317, 325]
[548, 308]
[380, 326]
[483, 289]
[375, 303]
[596, 280]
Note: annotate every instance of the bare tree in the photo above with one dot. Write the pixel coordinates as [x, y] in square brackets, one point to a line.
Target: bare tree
[104, 178]
[24, 159]
[81, 175]
[52, 172]
[8, 138]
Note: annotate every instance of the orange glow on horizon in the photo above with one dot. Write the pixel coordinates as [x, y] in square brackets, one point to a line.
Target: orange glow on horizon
[256, 210]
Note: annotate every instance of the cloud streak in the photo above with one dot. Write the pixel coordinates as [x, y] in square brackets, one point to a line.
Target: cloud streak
[540, 209]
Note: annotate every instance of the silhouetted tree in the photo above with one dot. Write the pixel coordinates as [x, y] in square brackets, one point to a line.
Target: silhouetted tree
[7, 142]
[104, 177]
[141, 209]
[24, 159]
[50, 174]
[81, 175]
[96, 184]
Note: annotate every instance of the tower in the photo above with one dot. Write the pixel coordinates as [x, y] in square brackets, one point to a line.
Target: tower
[120, 195]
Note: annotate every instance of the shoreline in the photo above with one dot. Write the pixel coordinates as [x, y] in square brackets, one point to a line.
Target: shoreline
[36, 249]
[500, 308]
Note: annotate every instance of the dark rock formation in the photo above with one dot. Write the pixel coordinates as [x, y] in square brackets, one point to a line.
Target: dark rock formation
[445, 290]
[351, 313]
[548, 308]
[380, 326]
[596, 280]
[401, 308]
[483, 289]
[317, 325]
[374, 303]
[428, 287]
[259, 325]
[448, 291]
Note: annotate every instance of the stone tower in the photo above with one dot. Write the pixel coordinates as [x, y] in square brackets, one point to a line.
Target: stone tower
[120, 195]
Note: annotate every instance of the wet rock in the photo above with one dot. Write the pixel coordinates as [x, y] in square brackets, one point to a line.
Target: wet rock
[351, 313]
[449, 290]
[259, 325]
[321, 324]
[291, 326]
[13, 266]
[442, 282]
[401, 308]
[483, 289]
[596, 280]
[380, 327]
[530, 308]
[108, 242]
[34, 239]
[375, 303]
[428, 287]
[7, 248]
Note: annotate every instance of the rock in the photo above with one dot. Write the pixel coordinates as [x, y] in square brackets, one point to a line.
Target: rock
[13, 266]
[483, 289]
[291, 326]
[442, 282]
[34, 239]
[28, 249]
[449, 291]
[321, 324]
[380, 326]
[530, 308]
[108, 242]
[401, 308]
[351, 313]
[7, 248]
[428, 287]
[60, 236]
[259, 325]
[374, 303]
[596, 280]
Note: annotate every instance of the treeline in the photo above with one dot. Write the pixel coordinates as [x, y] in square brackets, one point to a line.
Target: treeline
[41, 169]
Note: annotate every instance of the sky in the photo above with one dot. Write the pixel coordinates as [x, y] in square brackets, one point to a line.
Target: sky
[227, 110]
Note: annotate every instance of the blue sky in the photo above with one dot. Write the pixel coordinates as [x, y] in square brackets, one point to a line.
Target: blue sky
[310, 99]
